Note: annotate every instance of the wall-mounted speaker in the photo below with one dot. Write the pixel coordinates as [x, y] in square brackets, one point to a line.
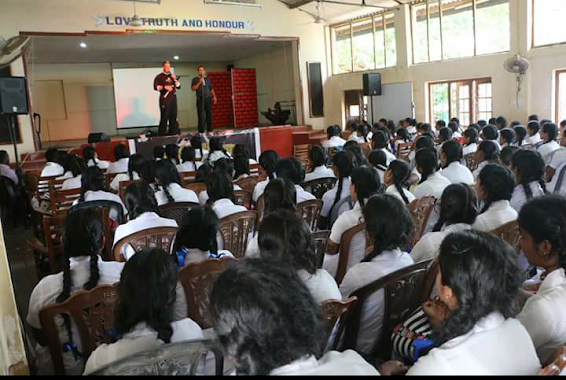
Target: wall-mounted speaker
[13, 96]
[372, 84]
[97, 137]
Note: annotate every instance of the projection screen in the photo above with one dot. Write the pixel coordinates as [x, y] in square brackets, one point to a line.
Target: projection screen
[137, 104]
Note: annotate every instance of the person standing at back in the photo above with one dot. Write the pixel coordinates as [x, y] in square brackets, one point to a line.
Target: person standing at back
[205, 97]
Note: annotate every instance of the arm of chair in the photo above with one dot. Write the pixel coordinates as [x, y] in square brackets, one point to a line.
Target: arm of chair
[39, 336]
[37, 246]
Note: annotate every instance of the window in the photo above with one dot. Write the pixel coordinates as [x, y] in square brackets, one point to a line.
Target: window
[469, 100]
[364, 44]
[449, 29]
[560, 96]
[356, 105]
[548, 16]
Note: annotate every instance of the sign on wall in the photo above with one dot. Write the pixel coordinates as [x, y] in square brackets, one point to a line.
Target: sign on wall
[184, 23]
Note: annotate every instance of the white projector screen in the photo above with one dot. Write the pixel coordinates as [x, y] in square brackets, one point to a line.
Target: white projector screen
[395, 102]
[137, 104]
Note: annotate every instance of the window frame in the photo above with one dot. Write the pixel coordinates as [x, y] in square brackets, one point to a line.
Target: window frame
[533, 31]
[375, 19]
[557, 95]
[473, 83]
[441, 11]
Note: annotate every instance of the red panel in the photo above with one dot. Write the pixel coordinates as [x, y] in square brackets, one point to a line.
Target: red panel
[279, 139]
[105, 150]
[245, 98]
[222, 111]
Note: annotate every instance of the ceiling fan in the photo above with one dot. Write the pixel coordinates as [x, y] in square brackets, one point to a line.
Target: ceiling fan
[318, 19]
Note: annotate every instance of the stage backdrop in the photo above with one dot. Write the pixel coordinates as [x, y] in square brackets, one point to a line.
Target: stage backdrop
[137, 105]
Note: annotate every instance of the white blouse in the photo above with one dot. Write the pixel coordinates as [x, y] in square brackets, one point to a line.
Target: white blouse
[334, 142]
[188, 167]
[178, 193]
[319, 172]
[458, 173]
[145, 221]
[101, 164]
[392, 190]
[52, 169]
[333, 363]
[551, 187]
[216, 155]
[102, 195]
[544, 315]
[260, 188]
[428, 247]
[72, 183]
[373, 309]
[344, 222]
[519, 197]
[558, 158]
[115, 184]
[478, 170]
[321, 284]
[225, 207]
[303, 195]
[469, 149]
[547, 149]
[494, 346]
[203, 196]
[120, 166]
[498, 214]
[140, 339]
[330, 195]
[534, 139]
[390, 156]
[433, 186]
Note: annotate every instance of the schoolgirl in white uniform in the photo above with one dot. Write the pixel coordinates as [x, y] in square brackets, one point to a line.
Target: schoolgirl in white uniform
[470, 141]
[486, 153]
[76, 166]
[396, 181]
[292, 169]
[267, 160]
[334, 139]
[83, 269]
[221, 191]
[91, 158]
[453, 170]
[136, 163]
[318, 159]
[190, 164]
[528, 167]
[169, 182]
[549, 134]
[432, 182]
[121, 156]
[342, 167]
[217, 151]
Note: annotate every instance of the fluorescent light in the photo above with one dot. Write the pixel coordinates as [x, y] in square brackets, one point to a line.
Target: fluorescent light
[83, 45]
[176, 57]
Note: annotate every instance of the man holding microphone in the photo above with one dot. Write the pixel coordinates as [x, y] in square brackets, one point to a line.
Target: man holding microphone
[167, 84]
[205, 96]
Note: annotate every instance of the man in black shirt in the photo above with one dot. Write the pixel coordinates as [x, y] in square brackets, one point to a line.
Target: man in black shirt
[167, 84]
[203, 88]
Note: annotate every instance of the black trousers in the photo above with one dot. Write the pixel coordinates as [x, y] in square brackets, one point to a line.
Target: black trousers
[204, 119]
[168, 107]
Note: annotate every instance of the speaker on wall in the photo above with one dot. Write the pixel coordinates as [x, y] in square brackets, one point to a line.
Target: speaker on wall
[13, 96]
[97, 137]
[372, 84]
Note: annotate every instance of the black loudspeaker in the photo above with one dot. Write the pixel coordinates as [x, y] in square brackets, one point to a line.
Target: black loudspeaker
[372, 84]
[97, 137]
[13, 96]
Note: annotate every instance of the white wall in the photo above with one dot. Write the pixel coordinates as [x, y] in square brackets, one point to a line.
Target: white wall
[78, 16]
[275, 79]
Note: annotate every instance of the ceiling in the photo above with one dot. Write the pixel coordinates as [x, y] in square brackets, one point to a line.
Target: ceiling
[146, 47]
[333, 12]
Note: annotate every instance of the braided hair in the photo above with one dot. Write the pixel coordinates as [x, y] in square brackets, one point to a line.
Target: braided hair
[89, 154]
[544, 218]
[400, 173]
[342, 162]
[520, 134]
[198, 229]
[172, 153]
[216, 145]
[317, 156]
[530, 167]
[508, 135]
[188, 154]
[427, 162]
[139, 199]
[452, 151]
[388, 224]
[498, 184]
[458, 204]
[551, 130]
[358, 157]
[92, 180]
[135, 164]
[366, 183]
[268, 161]
[196, 143]
[533, 126]
[166, 173]
[490, 151]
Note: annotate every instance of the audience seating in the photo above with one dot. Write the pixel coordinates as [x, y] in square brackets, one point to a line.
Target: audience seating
[556, 363]
[249, 183]
[173, 359]
[52, 246]
[337, 311]
[236, 230]
[108, 178]
[176, 210]
[243, 198]
[318, 187]
[309, 211]
[160, 237]
[430, 282]
[259, 205]
[471, 161]
[301, 152]
[402, 296]
[92, 313]
[510, 233]
[104, 207]
[345, 242]
[123, 185]
[187, 177]
[197, 187]
[197, 280]
[420, 210]
[62, 200]
[404, 150]
[320, 239]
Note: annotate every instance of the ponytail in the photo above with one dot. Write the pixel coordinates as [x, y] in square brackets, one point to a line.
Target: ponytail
[343, 163]
[170, 198]
[401, 192]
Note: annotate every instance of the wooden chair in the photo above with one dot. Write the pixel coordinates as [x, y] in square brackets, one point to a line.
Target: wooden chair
[259, 205]
[62, 200]
[256, 169]
[52, 247]
[320, 239]
[197, 280]
[345, 242]
[187, 177]
[404, 150]
[471, 161]
[510, 233]
[176, 210]
[433, 271]
[318, 187]
[92, 312]
[159, 237]
[402, 296]
[173, 359]
[108, 178]
[301, 152]
[123, 185]
[337, 311]
[309, 211]
[249, 183]
[420, 210]
[236, 229]
[197, 187]
[243, 198]
[555, 364]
